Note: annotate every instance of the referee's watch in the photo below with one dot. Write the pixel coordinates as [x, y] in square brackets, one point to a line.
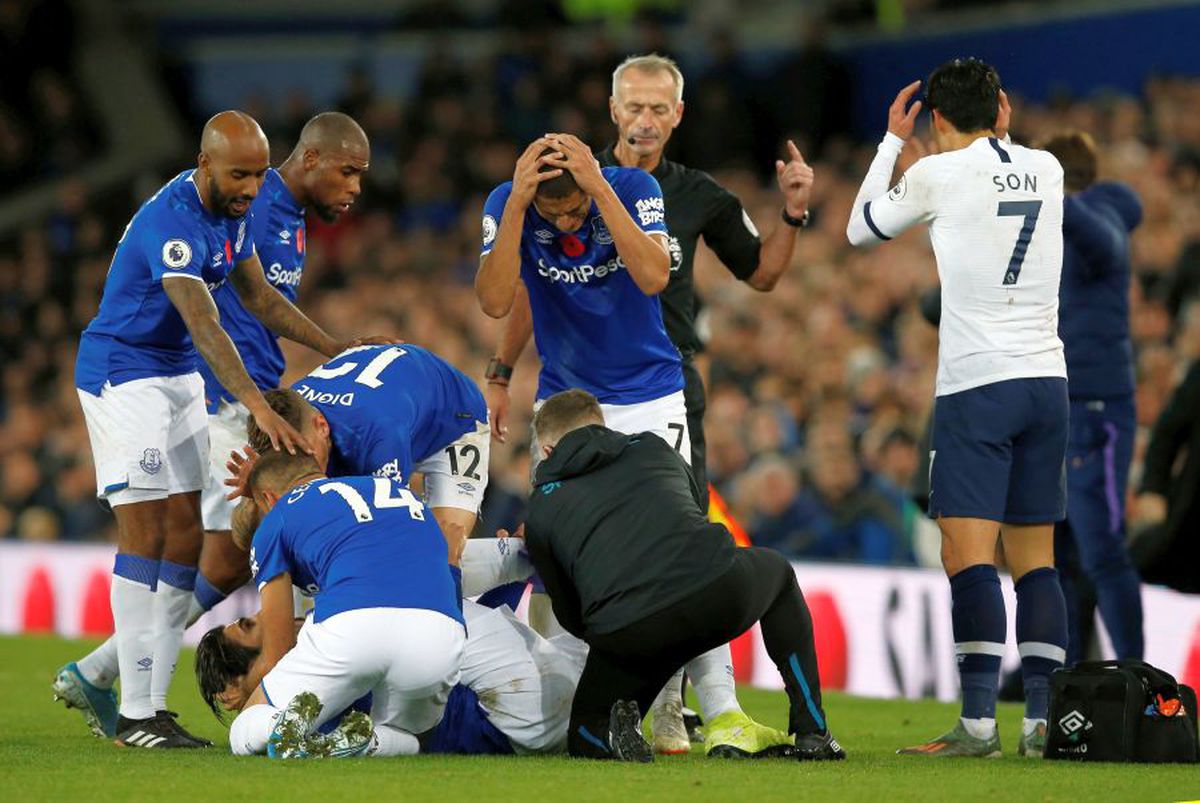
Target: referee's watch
[497, 373]
[795, 222]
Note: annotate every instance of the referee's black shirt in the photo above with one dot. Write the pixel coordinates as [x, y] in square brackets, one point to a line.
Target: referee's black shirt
[697, 205]
[615, 530]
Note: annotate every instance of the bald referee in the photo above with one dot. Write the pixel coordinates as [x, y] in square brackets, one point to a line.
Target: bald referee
[647, 105]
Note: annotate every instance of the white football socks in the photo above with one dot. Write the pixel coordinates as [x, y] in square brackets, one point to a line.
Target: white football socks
[133, 617]
[101, 668]
[981, 728]
[394, 742]
[712, 677]
[251, 729]
[171, 606]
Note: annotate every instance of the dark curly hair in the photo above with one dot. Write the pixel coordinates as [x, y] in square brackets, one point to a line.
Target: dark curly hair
[218, 662]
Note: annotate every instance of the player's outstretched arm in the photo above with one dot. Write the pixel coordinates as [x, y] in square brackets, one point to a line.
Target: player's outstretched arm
[518, 328]
[276, 312]
[645, 254]
[877, 214]
[500, 265]
[195, 304]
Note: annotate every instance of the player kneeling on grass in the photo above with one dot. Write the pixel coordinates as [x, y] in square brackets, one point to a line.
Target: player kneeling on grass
[513, 697]
[634, 568]
[386, 618]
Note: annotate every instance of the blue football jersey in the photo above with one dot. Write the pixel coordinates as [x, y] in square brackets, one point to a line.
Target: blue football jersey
[356, 542]
[593, 327]
[277, 224]
[390, 407]
[137, 332]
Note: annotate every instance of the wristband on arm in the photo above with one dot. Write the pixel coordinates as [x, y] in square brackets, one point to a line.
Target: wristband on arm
[498, 373]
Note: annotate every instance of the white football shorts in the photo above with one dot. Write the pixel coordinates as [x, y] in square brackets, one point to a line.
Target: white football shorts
[407, 658]
[525, 683]
[457, 475]
[226, 433]
[666, 417]
[149, 438]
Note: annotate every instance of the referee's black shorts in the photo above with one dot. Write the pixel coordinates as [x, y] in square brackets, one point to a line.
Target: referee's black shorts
[694, 400]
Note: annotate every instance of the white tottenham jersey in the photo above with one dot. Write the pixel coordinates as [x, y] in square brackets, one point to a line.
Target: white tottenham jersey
[995, 215]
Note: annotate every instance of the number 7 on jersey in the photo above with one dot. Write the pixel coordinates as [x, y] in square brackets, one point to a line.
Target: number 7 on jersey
[1029, 210]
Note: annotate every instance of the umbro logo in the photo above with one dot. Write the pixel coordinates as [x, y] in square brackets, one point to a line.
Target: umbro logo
[284, 235]
[145, 664]
[1074, 723]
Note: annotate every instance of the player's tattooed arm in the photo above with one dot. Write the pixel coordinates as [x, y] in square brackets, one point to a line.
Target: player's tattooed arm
[277, 313]
[195, 305]
[244, 521]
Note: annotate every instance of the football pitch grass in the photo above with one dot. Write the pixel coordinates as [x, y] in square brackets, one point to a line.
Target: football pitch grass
[46, 752]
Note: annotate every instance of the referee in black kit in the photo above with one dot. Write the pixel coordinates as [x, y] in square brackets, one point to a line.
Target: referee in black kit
[647, 105]
[634, 568]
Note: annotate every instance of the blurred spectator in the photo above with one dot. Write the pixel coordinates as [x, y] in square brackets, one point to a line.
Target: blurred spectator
[830, 372]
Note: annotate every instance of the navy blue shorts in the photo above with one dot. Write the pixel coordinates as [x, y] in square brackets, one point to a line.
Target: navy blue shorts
[998, 452]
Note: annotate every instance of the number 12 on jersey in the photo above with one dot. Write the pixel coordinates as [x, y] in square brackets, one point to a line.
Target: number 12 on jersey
[1029, 210]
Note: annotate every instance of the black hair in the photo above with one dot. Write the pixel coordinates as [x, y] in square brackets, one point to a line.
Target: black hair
[966, 92]
[218, 662]
[561, 186]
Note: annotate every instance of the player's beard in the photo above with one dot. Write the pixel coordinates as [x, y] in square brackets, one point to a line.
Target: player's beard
[327, 214]
[221, 202]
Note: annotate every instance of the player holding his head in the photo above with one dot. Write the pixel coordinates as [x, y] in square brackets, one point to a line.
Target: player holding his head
[647, 106]
[143, 399]
[386, 619]
[1098, 219]
[995, 215]
[586, 249]
[323, 174]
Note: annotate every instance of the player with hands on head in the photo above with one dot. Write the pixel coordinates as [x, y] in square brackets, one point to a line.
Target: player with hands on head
[995, 215]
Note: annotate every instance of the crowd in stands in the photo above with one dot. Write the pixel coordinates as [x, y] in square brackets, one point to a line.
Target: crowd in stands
[819, 392]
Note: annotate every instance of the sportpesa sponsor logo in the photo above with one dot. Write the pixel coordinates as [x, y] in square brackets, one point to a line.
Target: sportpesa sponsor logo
[276, 275]
[579, 273]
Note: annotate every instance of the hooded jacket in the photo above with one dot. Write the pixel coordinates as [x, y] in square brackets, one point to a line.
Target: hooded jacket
[616, 532]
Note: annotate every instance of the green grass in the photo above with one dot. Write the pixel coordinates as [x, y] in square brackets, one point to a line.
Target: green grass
[47, 753]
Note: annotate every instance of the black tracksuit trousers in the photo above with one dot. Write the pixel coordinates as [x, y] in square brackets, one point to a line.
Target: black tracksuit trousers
[634, 662]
